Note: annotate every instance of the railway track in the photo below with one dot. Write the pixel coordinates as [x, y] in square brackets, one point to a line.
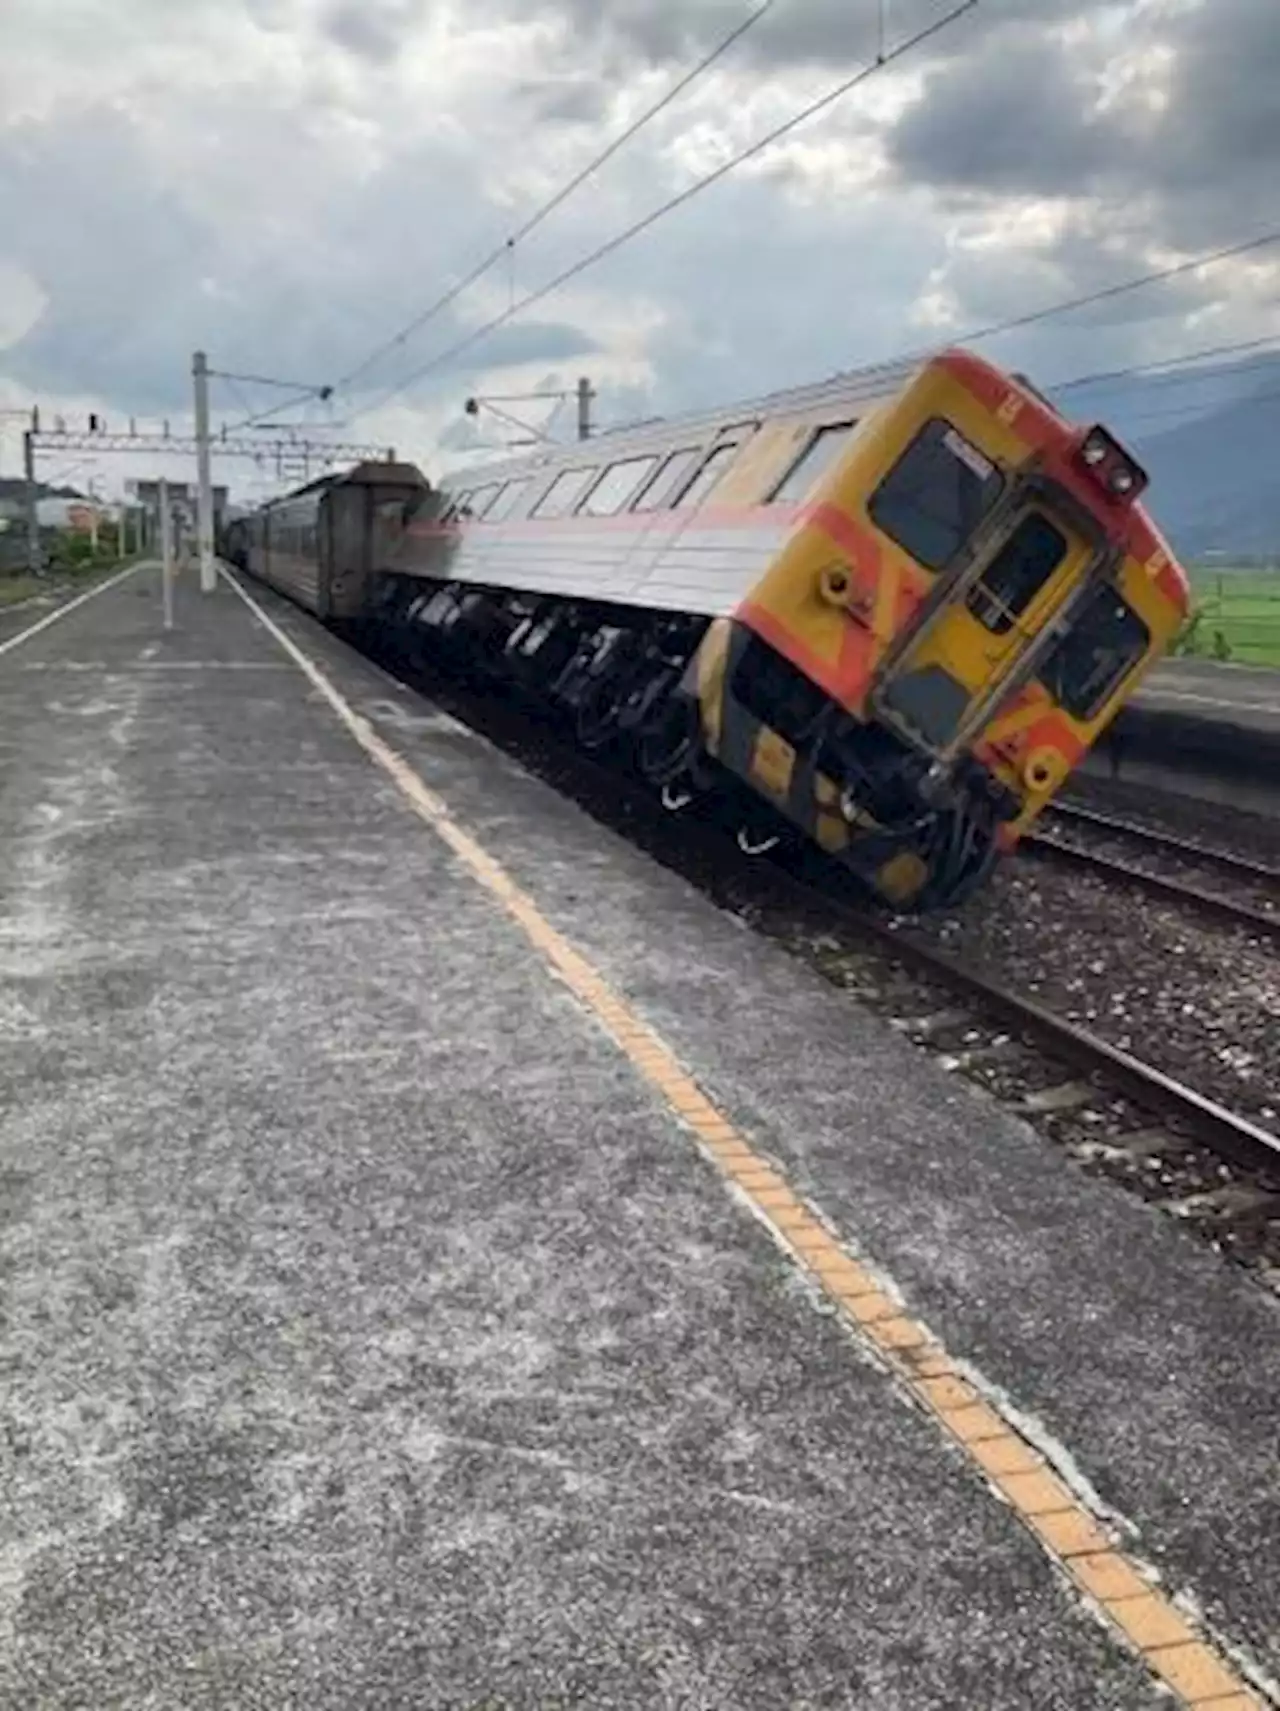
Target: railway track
[1204, 1122]
[1259, 915]
[1223, 1168]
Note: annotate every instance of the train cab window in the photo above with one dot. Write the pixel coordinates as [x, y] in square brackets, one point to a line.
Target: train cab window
[508, 499]
[936, 494]
[712, 469]
[667, 480]
[564, 493]
[616, 486]
[1017, 573]
[1086, 667]
[814, 461]
[455, 508]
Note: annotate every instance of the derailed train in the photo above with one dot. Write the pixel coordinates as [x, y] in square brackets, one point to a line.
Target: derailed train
[890, 612]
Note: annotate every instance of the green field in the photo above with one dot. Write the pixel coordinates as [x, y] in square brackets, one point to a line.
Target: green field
[1237, 614]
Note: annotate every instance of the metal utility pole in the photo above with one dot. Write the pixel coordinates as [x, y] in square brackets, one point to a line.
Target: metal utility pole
[586, 397]
[204, 474]
[34, 564]
[166, 553]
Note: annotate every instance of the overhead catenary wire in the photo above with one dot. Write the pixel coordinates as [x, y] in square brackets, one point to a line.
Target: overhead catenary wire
[1106, 293]
[671, 204]
[305, 397]
[1190, 413]
[1158, 368]
[506, 249]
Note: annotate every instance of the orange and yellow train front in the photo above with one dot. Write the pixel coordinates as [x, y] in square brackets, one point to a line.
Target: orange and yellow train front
[964, 605]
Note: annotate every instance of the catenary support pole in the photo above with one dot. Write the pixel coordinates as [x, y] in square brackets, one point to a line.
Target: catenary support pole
[204, 475]
[166, 552]
[34, 564]
[585, 398]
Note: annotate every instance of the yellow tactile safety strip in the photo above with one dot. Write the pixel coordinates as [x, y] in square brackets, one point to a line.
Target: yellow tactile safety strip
[1139, 1609]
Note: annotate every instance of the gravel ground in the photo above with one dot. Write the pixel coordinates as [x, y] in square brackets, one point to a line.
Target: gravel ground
[1235, 1212]
[1200, 1001]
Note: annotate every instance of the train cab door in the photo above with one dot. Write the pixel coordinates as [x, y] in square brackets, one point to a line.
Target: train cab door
[939, 686]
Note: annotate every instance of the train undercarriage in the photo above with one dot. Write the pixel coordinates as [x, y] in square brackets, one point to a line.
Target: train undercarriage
[701, 710]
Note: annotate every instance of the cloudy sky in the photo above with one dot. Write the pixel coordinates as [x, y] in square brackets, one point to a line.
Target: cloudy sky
[287, 182]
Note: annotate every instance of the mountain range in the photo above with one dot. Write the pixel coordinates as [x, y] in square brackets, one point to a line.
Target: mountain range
[1208, 438]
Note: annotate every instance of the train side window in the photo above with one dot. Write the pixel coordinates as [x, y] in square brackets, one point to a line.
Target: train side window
[1087, 665]
[712, 469]
[667, 480]
[616, 486]
[563, 493]
[480, 501]
[453, 510]
[936, 495]
[815, 460]
[508, 499]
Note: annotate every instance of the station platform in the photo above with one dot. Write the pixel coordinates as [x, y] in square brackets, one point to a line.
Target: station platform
[446, 1263]
[1246, 694]
[1200, 728]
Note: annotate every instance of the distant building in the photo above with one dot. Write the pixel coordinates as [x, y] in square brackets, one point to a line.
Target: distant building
[182, 496]
[74, 515]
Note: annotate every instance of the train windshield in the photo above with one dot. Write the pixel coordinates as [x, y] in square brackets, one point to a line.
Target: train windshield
[936, 494]
[1104, 643]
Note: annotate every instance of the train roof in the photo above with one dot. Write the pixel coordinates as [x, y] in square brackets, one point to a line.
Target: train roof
[370, 474]
[858, 386]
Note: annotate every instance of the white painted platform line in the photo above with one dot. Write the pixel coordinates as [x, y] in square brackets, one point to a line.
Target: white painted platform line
[80, 599]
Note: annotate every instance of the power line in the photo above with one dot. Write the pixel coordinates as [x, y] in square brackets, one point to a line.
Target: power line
[1203, 412]
[1157, 368]
[677, 201]
[267, 380]
[562, 195]
[1107, 292]
[279, 405]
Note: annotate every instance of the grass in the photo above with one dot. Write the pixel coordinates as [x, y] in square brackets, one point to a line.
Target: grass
[16, 588]
[1237, 615]
[22, 586]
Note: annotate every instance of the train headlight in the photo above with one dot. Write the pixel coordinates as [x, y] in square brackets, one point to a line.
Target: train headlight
[1110, 465]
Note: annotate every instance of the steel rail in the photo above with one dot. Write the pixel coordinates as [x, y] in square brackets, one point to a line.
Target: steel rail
[1222, 1131]
[1241, 867]
[1223, 909]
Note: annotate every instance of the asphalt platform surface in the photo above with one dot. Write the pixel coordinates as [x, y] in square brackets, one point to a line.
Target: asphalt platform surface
[1247, 696]
[371, 1336]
